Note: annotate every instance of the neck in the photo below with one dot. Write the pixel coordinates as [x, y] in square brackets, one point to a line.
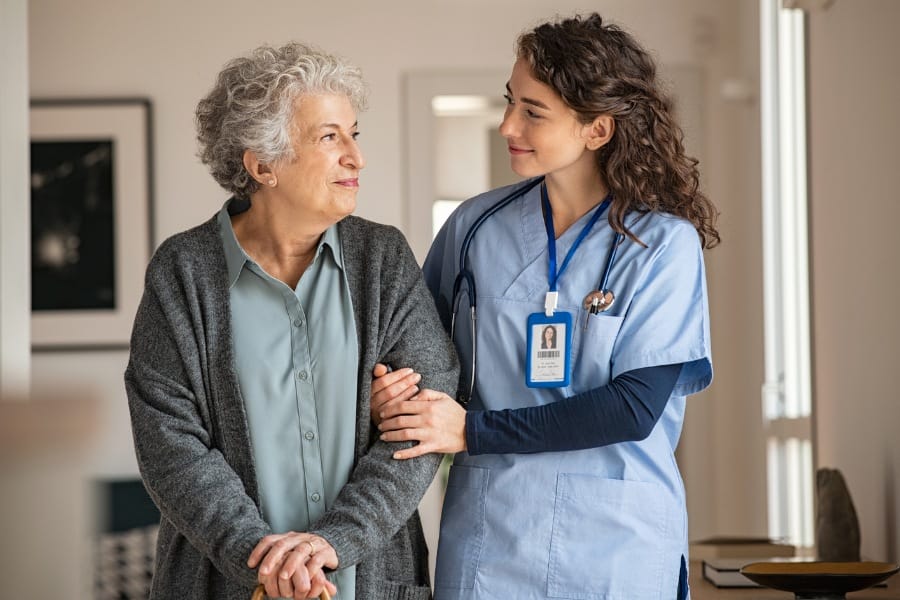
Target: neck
[573, 197]
[277, 239]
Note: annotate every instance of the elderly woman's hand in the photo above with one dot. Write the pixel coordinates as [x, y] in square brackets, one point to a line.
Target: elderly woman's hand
[434, 419]
[391, 386]
[290, 565]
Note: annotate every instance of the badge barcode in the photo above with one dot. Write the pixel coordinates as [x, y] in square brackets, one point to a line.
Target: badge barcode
[548, 354]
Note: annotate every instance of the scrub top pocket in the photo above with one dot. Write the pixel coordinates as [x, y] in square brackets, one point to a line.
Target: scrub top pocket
[462, 528]
[593, 347]
[605, 539]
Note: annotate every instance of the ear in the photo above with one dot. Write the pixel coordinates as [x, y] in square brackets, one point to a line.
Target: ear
[260, 171]
[600, 131]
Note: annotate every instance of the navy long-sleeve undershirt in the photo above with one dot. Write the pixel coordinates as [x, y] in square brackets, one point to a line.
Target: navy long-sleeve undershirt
[625, 410]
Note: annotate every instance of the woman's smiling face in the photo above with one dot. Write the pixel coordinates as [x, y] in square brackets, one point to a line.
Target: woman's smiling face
[544, 135]
[322, 179]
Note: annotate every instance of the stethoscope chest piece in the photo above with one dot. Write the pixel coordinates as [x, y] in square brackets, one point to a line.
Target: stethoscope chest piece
[598, 301]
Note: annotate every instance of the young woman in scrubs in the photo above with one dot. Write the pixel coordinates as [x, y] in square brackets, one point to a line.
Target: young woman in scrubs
[564, 483]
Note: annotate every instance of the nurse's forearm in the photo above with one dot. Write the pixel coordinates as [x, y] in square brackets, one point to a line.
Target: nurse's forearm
[625, 410]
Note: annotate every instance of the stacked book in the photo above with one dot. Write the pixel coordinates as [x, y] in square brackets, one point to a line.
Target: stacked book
[723, 557]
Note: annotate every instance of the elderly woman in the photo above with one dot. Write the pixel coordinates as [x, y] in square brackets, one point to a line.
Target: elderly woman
[249, 375]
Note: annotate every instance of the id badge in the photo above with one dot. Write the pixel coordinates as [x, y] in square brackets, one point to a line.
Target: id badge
[548, 361]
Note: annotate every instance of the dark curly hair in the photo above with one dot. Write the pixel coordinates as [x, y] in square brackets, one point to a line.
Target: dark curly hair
[599, 69]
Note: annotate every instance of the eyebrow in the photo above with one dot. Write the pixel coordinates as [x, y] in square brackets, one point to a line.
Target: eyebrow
[531, 101]
[336, 125]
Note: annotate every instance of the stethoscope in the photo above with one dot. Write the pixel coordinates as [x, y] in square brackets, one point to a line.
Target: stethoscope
[599, 300]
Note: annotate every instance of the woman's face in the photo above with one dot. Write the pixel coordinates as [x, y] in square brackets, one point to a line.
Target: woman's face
[543, 134]
[548, 335]
[322, 180]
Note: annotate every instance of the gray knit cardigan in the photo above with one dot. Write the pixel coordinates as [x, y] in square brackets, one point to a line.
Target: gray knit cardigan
[191, 435]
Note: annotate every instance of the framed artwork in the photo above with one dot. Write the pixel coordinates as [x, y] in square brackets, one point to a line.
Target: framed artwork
[91, 220]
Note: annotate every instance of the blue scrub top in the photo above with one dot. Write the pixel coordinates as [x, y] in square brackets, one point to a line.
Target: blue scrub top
[606, 522]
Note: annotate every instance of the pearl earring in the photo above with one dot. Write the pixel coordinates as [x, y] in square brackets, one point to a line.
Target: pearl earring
[271, 182]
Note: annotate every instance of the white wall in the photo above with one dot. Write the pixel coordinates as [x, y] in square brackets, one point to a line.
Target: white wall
[722, 455]
[170, 51]
[458, 177]
[855, 209]
[14, 208]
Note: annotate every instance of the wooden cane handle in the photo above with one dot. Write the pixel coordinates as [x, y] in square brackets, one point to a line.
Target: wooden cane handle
[260, 593]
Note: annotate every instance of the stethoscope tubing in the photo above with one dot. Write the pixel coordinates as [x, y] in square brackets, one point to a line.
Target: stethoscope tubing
[610, 259]
[465, 275]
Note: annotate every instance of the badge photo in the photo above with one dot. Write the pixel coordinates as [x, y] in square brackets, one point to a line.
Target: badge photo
[548, 361]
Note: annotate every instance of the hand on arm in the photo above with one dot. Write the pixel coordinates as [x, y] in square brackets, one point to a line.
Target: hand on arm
[291, 565]
[625, 410]
[391, 386]
[432, 418]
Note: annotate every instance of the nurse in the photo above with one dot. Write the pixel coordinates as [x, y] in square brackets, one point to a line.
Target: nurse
[564, 483]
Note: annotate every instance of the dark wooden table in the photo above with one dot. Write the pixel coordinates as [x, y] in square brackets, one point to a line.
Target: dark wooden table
[704, 590]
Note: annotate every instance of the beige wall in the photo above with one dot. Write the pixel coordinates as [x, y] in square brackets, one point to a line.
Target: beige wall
[14, 216]
[855, 209]
[169, 52]
[722, 454]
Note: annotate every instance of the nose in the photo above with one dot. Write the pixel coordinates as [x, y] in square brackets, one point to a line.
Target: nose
[353, 156]
[509, 126]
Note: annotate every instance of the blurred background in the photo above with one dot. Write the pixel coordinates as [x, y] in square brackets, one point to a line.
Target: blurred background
[805, 331]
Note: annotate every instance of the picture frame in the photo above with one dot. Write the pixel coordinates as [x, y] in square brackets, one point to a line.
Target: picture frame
[91, 219]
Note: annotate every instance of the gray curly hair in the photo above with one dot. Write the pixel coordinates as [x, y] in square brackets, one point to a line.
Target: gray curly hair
[251, 107]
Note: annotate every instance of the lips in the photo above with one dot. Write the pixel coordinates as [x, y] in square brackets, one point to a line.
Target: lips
[350, 183]
[515, 150]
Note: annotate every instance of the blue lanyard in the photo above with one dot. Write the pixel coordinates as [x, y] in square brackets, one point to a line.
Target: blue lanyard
[554, 275]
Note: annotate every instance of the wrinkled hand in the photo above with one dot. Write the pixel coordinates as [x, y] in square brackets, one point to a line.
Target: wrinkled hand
[393, 386]
[290, 565]
[432, 418]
